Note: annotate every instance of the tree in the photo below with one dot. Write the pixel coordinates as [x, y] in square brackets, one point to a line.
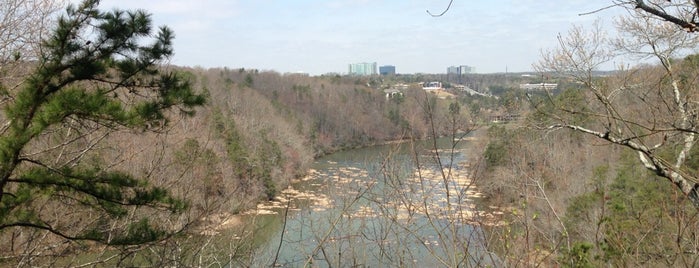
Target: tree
[680, 13]
[22, 23]
[96, 74]
[648, 109]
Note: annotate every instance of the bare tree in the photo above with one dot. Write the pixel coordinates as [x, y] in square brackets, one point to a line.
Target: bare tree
[651, 110]
[22, 25]
[680, 13]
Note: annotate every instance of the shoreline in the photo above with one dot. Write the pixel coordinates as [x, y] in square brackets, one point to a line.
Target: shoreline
[225, 221]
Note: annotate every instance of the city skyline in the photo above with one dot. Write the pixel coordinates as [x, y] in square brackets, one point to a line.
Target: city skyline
[323, 37]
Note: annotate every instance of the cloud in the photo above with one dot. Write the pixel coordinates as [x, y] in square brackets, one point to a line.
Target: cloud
[316, 35]
[186, 13]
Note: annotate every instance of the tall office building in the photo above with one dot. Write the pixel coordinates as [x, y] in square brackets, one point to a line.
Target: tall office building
[460, 70]
[465, 69]
[387, 70]
[364, 68]
[453, 70]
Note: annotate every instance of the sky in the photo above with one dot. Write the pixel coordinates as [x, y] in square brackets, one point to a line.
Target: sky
[318, 37]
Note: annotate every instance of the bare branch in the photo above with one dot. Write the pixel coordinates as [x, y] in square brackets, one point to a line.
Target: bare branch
[689, 26]
[599, 9]
[443, 12]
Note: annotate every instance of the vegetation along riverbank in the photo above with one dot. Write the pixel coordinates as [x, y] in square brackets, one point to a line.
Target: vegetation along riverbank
[112, 156]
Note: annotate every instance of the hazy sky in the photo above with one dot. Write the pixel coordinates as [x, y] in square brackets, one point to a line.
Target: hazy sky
[316, 36]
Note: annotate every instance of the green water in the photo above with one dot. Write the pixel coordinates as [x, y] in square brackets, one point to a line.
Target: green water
[382, 206]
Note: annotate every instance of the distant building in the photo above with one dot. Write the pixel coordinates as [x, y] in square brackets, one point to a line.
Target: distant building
[401, 86]
[460, 70]
[387, 70]
[465, 69]
[364, 68]
[429, 86]
[539, 86]
[300, 74]
[392, 93]
[453, 70]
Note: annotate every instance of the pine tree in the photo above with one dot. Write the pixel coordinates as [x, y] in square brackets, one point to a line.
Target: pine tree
[97, 69]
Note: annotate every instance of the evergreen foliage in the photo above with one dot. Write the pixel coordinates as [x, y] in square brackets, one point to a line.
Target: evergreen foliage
[96, 69]
[496, 151]
[631, 216]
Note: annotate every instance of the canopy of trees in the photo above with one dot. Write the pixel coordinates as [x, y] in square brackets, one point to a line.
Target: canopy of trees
[620, 187]
[96, 73]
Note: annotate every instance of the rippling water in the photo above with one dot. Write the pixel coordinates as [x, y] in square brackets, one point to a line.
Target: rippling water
[392, 205]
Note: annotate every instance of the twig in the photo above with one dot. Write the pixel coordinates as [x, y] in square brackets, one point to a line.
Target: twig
[599, 9]
[281, 238]
[443, 12]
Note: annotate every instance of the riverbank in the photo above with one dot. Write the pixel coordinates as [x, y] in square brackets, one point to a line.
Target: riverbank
[348, 196]
[288, 196]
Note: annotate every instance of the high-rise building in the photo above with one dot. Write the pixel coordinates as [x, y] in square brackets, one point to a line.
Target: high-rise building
[465, 69]
[364, 68]
[387, 70]
[453, 70]
[460, 70]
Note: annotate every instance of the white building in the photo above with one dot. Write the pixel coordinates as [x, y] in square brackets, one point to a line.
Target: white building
[429, 86]
[363, 68]
[539, 86]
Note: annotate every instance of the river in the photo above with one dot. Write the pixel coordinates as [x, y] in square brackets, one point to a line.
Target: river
[407, 205]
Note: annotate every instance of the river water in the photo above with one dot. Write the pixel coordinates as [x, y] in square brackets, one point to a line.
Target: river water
[407, 205]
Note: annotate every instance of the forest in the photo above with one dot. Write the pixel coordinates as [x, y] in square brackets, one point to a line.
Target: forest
[110, 156]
